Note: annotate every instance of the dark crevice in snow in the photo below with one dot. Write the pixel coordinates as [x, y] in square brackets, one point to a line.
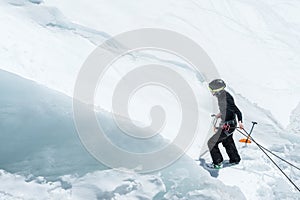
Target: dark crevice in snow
[24, 2]
[51, 24]
[36, 1]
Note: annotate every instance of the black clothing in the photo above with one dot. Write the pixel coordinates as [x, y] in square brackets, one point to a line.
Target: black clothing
[227, 107]
[228, 143]
[228, 111]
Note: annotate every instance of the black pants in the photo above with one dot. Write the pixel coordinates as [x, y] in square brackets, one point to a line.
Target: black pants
[227, 142]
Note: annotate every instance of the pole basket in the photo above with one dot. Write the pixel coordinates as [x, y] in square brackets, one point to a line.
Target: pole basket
[245, 140]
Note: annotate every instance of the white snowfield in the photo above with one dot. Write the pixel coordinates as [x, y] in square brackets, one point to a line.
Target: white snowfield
[254, 45]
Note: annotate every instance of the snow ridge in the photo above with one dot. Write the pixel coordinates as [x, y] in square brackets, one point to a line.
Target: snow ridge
[294, 125]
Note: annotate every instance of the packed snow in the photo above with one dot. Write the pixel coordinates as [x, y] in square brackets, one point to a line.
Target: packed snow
[254, 45]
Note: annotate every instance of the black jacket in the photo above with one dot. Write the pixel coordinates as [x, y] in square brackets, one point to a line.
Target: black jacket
[227, 107]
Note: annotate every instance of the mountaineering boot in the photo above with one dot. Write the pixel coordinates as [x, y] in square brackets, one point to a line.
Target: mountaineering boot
[215, 166]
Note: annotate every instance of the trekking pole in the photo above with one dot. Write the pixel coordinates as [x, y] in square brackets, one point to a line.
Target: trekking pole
[247, 140]
[253, 124]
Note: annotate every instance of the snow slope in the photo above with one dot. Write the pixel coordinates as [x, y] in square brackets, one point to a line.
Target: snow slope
[41, 155]
[43, 158]
[255, 45]
[257, 177]
[294, 126]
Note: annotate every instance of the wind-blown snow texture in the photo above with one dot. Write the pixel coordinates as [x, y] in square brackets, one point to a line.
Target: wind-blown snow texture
[254, 44]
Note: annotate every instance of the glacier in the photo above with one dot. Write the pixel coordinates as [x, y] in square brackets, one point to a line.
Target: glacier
[40, 150]
[43, 44]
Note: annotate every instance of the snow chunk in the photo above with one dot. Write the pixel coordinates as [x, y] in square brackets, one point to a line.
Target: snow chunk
[294, 125]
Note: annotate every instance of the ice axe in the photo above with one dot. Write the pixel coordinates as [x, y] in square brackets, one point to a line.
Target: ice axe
[214, 121]
[247, 140]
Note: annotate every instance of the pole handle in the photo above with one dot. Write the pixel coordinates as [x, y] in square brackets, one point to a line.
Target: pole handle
[253, 124]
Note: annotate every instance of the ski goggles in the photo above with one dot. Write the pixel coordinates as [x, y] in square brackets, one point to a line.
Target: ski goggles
[216, 91]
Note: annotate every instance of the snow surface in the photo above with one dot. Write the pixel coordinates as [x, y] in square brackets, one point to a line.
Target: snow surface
[294, 126]
[254, 44]
[43, 158]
